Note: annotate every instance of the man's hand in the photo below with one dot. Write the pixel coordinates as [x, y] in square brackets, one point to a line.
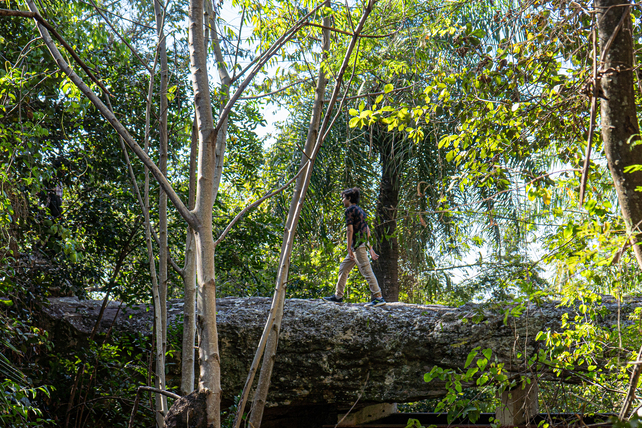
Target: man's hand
[351, 253]
[373, 255]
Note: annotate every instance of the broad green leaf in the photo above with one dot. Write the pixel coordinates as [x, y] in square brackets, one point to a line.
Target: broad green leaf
[471, 356]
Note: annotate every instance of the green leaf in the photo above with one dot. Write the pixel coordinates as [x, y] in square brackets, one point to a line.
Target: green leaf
[450, 155]
[471, 356]
[632, 168]
[388, 88]
[413, 423]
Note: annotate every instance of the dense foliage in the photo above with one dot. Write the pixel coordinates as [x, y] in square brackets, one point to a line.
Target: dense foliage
[465, 125]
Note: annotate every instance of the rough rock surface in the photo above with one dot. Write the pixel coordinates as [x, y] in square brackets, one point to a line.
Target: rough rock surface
[327, 351]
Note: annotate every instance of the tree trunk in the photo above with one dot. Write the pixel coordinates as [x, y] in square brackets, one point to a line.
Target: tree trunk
[620, 127]
[316, 135]
[298, 196]
[210, 369]
[161, 400]
[618, 112]
[386, 268]
[200, 218]
[189, 281]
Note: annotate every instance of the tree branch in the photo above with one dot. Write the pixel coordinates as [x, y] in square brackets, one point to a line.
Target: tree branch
[131, 48]
[115, 123]
[589, 143]
[40, 20]
[137, 400]
[314, 141]
[347, 33]
[262, 60]
[254, 205]
[370, 94]
[256, 97]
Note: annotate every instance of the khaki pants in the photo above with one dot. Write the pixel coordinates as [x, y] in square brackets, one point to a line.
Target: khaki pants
[362, 261]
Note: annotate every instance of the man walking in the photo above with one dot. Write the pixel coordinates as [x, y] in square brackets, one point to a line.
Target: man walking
[358, 235]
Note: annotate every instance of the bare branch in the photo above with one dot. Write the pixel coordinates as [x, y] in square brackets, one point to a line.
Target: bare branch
[115, 123]
[363, 388]
[35, 15]
[256, 97]
[238, 44]
[347, 33]
[137, 400]
[587, 156]
[270, 336]
[254, 205]
[261, 61]
[371, 94]
[131, 48]
[137, 23]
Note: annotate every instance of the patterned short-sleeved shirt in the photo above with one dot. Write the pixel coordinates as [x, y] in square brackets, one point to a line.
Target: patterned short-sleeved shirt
[356, 217]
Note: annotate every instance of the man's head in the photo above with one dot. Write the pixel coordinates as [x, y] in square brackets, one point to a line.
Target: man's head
[350, 196]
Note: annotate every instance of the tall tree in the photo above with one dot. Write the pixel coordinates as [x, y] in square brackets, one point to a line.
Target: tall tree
[619, 123]
[387, 267]
[620, 129]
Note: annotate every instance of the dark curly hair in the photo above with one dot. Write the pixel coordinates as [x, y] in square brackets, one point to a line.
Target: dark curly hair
[353, 194]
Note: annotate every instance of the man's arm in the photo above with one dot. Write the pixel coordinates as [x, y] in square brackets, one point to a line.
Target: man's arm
[373, 255]
[349, 239]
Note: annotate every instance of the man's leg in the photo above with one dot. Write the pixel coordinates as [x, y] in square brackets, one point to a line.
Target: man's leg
[344, 269]
[363, 263]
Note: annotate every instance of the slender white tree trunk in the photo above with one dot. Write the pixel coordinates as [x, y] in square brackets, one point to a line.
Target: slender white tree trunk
[210, 371]
[286, 247]
[314, 141]
[161, 400]
[158, 323]
[189, 282]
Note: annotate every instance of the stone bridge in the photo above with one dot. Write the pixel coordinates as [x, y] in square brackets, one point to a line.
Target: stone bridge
[330, 354]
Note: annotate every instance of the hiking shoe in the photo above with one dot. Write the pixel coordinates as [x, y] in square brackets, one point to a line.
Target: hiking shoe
[378, 301]
[333, 298]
